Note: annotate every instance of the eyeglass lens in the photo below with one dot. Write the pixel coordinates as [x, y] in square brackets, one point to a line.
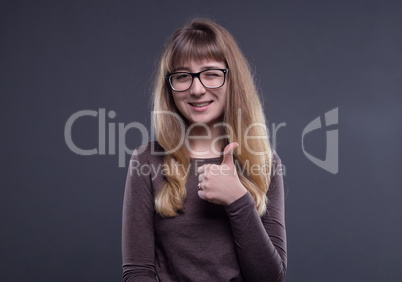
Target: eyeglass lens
[209, 78]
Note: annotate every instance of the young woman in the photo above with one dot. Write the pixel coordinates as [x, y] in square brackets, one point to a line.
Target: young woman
[205, 202]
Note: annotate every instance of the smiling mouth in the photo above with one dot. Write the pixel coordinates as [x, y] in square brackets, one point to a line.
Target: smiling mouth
[199, 105]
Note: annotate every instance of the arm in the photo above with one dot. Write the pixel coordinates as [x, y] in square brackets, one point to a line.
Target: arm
[138, 237]
[261, 242]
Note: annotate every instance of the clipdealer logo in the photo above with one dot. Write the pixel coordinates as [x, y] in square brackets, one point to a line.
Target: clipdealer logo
[330, 163]
[101, 149]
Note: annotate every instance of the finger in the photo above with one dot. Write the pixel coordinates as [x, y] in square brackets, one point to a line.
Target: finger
[228, 153]
[201, 169]
[201, 191]
[201, 177]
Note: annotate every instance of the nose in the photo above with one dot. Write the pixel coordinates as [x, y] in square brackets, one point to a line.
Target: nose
[197, 88]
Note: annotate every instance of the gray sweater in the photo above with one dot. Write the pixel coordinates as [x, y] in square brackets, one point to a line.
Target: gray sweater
[207, 242]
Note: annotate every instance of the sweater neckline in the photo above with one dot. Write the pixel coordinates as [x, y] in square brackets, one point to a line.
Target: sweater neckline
[214, 159]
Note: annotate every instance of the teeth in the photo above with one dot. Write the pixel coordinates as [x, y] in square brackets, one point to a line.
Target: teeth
[200, 104]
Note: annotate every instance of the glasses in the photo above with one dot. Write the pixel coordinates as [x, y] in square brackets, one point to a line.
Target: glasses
[211, 78]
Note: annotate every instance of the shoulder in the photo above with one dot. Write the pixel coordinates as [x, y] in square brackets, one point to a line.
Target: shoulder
[146, 165]
[148, 153]
[275, 159]
[277, 168]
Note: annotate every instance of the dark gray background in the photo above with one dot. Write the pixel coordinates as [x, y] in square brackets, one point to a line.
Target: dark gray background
[61, 212]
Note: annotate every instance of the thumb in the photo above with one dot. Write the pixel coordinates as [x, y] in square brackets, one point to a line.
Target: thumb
[228, 153]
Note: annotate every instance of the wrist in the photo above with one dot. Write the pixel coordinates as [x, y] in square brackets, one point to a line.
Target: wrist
[237, 194]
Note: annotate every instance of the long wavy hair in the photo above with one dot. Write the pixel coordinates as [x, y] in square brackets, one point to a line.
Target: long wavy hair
[203, 39]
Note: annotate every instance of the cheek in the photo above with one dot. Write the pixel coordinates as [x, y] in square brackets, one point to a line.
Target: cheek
[224, 97]
[178, 102]
[222, 103]
[180, 105]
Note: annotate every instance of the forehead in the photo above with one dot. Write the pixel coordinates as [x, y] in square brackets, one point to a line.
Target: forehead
[199, 65]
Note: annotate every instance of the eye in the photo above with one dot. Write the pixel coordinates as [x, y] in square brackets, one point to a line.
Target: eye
[181, 76]
[212, 74]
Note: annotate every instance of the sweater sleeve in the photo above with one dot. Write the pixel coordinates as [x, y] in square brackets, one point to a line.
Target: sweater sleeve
[261, 241]
[138, 236]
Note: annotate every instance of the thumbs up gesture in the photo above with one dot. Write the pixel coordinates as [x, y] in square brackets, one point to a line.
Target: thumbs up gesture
[219, 184]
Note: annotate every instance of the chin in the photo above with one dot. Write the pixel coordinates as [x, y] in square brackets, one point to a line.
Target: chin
[207, 121]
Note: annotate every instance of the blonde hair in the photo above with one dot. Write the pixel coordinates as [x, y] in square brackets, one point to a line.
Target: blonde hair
[204, 39]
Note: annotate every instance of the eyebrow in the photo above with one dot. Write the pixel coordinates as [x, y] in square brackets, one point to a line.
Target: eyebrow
[207, 67]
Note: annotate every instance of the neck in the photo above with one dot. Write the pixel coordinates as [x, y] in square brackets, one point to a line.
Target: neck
[205, 141]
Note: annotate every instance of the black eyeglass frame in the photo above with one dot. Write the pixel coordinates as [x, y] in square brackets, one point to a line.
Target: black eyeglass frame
[169, 75]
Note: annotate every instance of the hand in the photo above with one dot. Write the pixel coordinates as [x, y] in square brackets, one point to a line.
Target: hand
[220, 184]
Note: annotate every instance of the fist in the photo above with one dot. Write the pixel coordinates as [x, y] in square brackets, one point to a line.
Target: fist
[220, 184]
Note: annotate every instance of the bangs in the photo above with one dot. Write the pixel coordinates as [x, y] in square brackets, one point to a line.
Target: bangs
[194, 45]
